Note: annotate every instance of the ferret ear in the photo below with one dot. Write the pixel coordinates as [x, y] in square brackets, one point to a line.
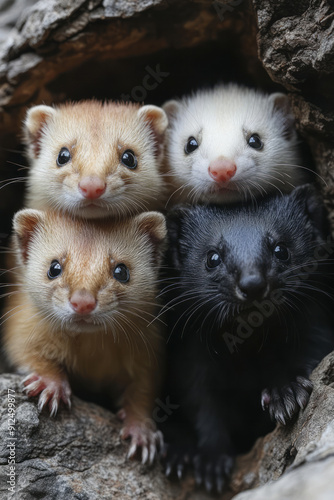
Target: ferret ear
[281, 103]
[35, 120]
[154, 225]
[309, 198]
[156, 117]
[175, 221]
[158, 122]
[172, 108]
[25, 225]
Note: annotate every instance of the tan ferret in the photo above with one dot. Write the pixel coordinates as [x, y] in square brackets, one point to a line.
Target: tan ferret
[82, 311]
[94, 159]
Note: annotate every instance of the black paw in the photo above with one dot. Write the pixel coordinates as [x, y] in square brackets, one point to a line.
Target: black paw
[176, 459]
[284, 402]
[212, 472]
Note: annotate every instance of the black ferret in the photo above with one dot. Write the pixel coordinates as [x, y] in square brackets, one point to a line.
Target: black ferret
[249, 315]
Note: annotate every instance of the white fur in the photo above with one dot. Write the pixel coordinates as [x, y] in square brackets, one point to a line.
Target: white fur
[221, 120]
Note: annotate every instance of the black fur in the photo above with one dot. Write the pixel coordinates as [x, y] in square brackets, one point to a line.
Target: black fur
[245, 335]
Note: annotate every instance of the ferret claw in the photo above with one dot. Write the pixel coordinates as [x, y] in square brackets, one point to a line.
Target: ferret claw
[180, 470]
[153, 452]
[168, 469]
[144, 455]
[208, 484]
[265, 399]
[283, 403]
[50, 391]
[144, 438]
[53, 407]
[220, 484]
[160, 439]
[121, 414]
[43, 399]
[132, 451]
[213, 472]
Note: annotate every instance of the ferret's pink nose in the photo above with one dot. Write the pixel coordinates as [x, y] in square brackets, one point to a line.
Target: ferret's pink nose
[92, 187]
[82, 302]
[222, 170]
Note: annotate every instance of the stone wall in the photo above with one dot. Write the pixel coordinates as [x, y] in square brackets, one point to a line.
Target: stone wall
[73, 49]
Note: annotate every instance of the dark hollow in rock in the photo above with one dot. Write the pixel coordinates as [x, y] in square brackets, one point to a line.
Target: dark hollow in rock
[104, 49]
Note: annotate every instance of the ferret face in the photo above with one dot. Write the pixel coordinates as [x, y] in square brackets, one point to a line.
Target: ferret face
[95, 160]
[86, 277]
[231, 143]
[228, 258]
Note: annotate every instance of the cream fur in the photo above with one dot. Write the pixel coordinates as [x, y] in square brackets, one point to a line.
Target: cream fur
[118, 347]
[96, 135]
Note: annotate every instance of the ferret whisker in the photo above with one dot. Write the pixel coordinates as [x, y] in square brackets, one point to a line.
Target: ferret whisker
[192, 311]
[14, 179]
[137, 331]
[313, 172]
[193, 308]
[12, 182]
[150, 315]
[181, 188]
[9, 294]
[177, 302]
[7, 315]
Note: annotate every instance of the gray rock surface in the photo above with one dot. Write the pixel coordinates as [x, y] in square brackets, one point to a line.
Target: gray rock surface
[78, 455]
[11, 11]
[71, 49]
[296, 462]
[296, 46]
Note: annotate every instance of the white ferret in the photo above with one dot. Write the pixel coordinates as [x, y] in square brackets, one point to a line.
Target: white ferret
[94, 159]
[231, 143]
[82, 310]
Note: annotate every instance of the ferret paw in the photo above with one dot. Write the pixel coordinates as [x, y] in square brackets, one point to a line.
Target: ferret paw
[213, 472]
[176, 458]
[144, 440]
[121, 414]
[51, 391]
[283, 403]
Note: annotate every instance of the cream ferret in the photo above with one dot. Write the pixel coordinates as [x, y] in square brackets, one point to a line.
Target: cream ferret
[94, 159]
[229, 144]
[82, 311]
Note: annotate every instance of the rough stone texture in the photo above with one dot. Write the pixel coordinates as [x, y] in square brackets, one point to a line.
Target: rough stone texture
[296, 46]
[303, 451]
[73, 49]
[78, 455]
[10, 12]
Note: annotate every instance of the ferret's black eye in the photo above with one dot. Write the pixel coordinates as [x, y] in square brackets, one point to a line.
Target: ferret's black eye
[129, 159]
[63, 157]
[213, 259]
[121, 273]
[191, 145]
[281, 252]
[255, 142]
[55, 270]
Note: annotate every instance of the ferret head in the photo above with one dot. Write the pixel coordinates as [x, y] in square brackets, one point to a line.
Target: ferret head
[95, 160]
[86, 277]
[231, 143]
[227, 258]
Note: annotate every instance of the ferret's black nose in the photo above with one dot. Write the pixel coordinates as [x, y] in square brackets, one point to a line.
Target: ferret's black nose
[252, 286]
